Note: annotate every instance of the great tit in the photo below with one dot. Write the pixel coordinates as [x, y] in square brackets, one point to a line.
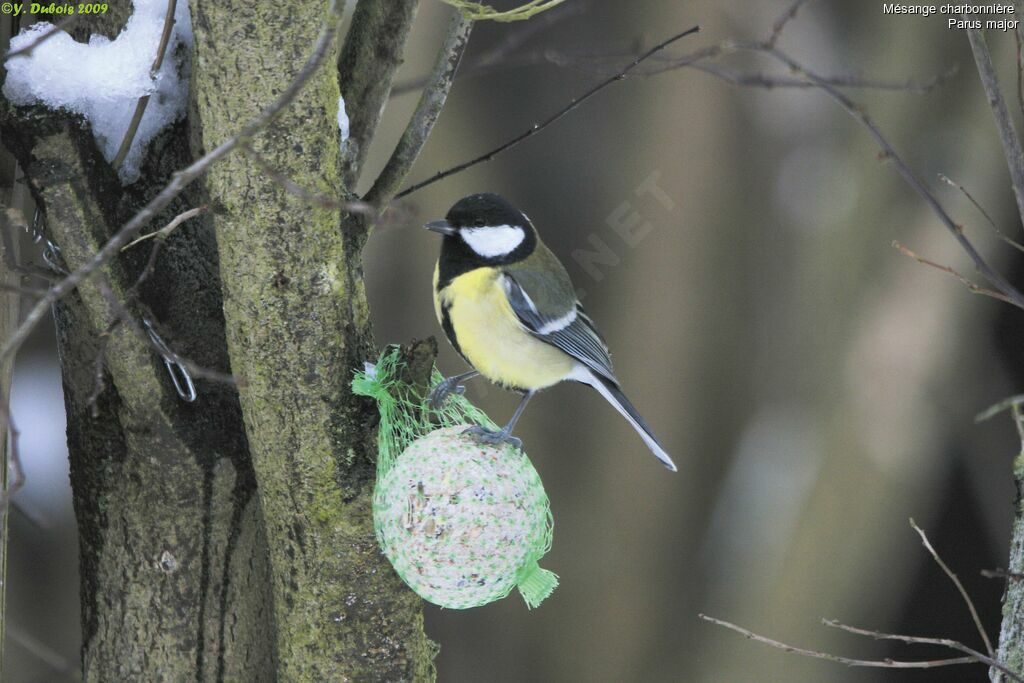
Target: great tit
[507, 305]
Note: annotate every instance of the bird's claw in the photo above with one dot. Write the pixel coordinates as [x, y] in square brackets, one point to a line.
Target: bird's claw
[492, 437]
[445, 388]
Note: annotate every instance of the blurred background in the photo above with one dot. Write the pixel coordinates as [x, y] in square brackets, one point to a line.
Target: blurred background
[816, 388]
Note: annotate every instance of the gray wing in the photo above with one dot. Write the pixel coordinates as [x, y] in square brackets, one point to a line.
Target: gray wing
[571, 331]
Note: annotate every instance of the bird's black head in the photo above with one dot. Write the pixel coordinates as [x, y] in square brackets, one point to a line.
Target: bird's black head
[484, 229]
[485, 210]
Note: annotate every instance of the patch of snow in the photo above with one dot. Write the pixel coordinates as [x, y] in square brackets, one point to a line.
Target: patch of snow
[342, 121]
[104, 79]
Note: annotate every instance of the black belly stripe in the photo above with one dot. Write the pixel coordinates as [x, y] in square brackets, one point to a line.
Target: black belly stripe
[449, 329]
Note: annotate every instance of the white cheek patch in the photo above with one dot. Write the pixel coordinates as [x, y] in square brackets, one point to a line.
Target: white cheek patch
[493, 241]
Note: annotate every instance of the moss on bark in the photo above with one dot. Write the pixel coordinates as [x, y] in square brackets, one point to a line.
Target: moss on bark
[297, 325]
[1011, 635]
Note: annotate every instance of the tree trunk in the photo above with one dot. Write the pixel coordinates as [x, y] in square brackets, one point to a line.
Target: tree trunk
[1011, 634]
[297, 326]
[163, 490]
[230, 538]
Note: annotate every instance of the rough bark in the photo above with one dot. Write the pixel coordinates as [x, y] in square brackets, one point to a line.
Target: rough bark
[366, 66]
[163, 490]
[297, 326]
[1011, 634]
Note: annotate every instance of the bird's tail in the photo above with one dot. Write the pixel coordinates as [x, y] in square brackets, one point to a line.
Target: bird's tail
[613, 394]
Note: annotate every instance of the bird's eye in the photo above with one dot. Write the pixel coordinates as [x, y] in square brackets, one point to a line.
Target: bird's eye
[479, 222]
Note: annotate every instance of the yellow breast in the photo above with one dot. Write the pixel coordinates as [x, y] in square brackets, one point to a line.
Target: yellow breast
[491, 337]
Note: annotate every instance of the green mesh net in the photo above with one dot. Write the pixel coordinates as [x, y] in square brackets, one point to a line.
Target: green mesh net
[461, 522]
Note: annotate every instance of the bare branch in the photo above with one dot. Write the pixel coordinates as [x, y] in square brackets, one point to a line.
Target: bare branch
[874, 663]
[1011, 294]
[959, 586]
[769, 81]
[369, 57]
[604, 64]
[165, 231]
[140, 106]
[178, 183]
[1001, 574]
[971, 286]
[537, 127]
[1013, 243]
[24, 290]
[427, 110]
[781, 23]
[698, 59]
[14, 478]
[917, 640]
[1004, 124]
[907, 173]
[994, 410]
[291, 187]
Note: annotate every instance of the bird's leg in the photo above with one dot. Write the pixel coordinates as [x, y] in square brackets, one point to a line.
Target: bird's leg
[449, 385]
[503, 435]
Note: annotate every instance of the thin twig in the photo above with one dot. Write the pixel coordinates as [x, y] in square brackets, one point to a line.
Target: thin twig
[973, 287]
[766, 47]
[42, 652]
[604, 64]
[24, 290]
[140, 106]
[994, 410]
[917, 640]
[783, 21]
[14, 478]
[291, 187]
[178, 183]
[874, 663]
[537, 127]
[62, 25]
[1013, 243]
[165, 231]
[1004, 124]
[909, 176]
[959, 586]
[428, 109]
[1001, 574]
[769, 81]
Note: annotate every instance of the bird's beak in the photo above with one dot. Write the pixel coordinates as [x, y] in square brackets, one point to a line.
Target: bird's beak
[442, 226]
